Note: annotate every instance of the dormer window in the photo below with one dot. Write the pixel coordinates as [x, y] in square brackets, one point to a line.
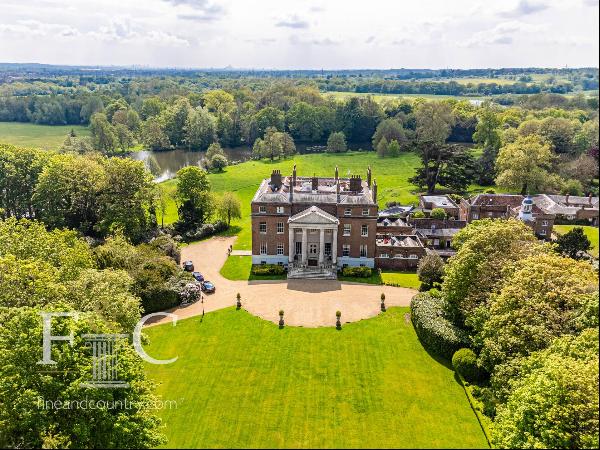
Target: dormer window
[262, 209]
[348, 212]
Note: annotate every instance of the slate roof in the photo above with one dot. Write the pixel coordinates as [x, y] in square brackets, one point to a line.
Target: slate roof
[557, 204]
[399, 241]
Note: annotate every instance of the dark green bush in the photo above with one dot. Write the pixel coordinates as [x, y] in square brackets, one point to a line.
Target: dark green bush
[268, 269]
[464, 362]
[436, 332]
[360, 272]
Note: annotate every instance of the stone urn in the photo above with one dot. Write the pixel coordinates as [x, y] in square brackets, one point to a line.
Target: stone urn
[382, 302]
[281, 322]
[238, 302]
[338, 324]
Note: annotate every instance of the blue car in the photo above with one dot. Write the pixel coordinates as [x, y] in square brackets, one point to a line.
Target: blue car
[198, 276]
[207, 287]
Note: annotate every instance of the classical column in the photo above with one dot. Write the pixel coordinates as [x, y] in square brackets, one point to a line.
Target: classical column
[334, 246]
[291, 246]
[321, 246]
[304, 245]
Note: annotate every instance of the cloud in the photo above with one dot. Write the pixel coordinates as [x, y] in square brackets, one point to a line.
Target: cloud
[204, 10]
[36, 28]
[124, 31]
[292, 21]
[501, 34]
[524, 8]
[202, 17]
[296, 40]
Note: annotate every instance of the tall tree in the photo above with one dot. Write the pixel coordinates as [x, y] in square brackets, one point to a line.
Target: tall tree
[193, 196]
[175, 120]
[336, 143]
[103, 133]
[200, 129]
[524, 164]
[229, 207]
[487, 136]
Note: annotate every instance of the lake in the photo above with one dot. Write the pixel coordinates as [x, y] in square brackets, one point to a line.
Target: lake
[165, 164]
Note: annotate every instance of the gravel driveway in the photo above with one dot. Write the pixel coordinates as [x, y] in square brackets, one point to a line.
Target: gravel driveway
[310, 303]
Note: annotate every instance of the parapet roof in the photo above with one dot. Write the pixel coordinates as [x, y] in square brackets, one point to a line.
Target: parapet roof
[303, 192]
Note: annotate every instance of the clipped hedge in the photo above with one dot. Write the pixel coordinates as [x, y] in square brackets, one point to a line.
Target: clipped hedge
[360, 272]
[464, 362]
[436, 332]
[268, 269]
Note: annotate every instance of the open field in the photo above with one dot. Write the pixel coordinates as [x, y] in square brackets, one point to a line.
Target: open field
[590, 232]
[239, 381]
[43, 136]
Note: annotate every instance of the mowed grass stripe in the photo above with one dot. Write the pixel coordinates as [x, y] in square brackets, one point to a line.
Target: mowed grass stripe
[246, 383]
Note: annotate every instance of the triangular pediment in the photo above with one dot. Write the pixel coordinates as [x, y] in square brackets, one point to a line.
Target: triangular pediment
[313, 215]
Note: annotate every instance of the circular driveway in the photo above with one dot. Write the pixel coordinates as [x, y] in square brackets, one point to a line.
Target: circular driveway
[307, 303]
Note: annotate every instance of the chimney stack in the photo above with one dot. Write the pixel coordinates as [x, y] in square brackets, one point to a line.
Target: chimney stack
[567, 200]
[291, 189]
[276, 180]
[315, 183]
[590, 199]
[336, 173]
[355, 183]
[369, 177]
[374, 190]
[337, 189]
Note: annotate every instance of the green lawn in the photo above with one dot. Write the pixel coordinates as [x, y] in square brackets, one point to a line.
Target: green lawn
[43, 136]
[240, 381]
[388, 277]
[392, 176]
[238, 268]
[590, 232]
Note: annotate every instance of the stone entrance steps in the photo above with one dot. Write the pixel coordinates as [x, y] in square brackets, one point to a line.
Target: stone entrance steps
[303, 271]
[314, 275]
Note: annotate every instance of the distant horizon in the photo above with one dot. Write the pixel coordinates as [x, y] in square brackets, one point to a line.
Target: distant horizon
[284, 69]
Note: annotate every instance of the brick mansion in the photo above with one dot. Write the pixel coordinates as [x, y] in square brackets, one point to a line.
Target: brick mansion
[315, 226]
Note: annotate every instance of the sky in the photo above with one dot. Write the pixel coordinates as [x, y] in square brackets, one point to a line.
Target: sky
[302, 34]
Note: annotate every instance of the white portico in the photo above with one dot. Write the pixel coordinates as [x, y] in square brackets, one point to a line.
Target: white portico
[312, 243]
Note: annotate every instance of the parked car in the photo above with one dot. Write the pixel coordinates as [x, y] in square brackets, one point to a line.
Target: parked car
[198, 276]
[188, 266]
[208, 287]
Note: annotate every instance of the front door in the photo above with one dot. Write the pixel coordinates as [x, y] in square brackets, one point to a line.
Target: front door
[313, 251]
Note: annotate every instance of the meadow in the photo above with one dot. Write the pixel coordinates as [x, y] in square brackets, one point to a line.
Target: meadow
[48, 137]
[240, 381]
